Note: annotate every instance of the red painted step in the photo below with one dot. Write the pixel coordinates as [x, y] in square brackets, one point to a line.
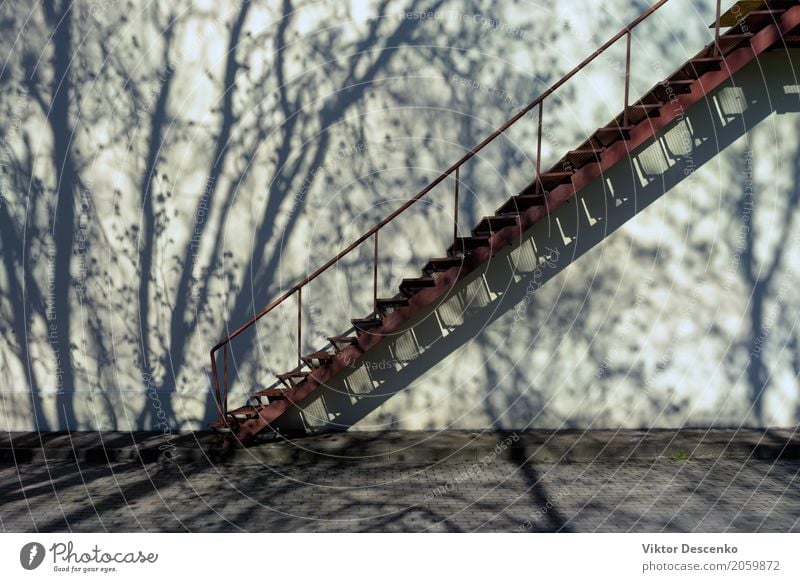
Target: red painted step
[410, 287]
[293, 378]
[386, 305]
[467, 244]
[491, 224]
[441, 264]
[519, 204]
[317, 359]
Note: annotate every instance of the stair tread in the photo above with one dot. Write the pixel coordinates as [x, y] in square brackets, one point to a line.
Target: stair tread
[321, 355]
[555, 174]
[615, 128]
[473, 239]
[421, 281]
[586, 151]
[248, 409]
[729, 41]
[517, 204]
[706, 60]
[294, 374]
[611, 133]
[750, 11]
[393, 301]
[441, 264]
[467, 244]
[646, 106]
[582, 156]
[695, 68]
[269, 392]
[494, 223]
[411, 286]
[335, 341]
[366, 322]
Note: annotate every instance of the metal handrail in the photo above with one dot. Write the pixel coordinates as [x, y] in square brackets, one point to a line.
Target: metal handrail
[221, 392]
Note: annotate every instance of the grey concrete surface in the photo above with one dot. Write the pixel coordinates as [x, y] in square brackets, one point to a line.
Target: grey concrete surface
[733, 495]
[675, 481]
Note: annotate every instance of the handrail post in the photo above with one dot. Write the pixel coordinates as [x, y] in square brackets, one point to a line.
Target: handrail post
[627, 78]
[217, 390]
[299, 326]
[717, 52]
[539, 149]
[455, 208]
[375, 276]
[225, 381]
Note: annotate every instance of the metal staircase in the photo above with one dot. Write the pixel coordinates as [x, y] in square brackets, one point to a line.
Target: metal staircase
[741, 34]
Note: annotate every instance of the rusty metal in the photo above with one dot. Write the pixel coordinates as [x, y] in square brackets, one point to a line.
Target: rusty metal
[615, 153]
[375, 276]
[455, 209]
[539, 148]
[299, 326]
[225, 375]
[627, 78]
[221, 391]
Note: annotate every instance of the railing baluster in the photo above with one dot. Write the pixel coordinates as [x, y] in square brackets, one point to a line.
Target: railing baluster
[455, 209]
[539, 148]
[225, 382]
[217, 391]
[716, 29]
[627, 78]
[299, 325]
[375, 276]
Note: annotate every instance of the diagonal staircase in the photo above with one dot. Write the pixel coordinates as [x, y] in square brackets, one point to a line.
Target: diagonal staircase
[742, 33]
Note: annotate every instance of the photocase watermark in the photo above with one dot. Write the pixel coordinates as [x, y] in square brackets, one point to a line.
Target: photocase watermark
[547, 261]
[167, 448]
[344, 152]
[745, 220]
[544, 509]
[197, 231]
[52, 317]
[66, 559]
[103, 7]
[377, 365]
[686, 144]
[489, 89]
[487, 23]
[150, 99]
[472, 470]
[31, 555]
[18, 109]
[736, 10]
[82, 238]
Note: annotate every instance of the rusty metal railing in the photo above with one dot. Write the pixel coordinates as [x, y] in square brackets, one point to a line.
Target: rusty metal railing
[221, 384]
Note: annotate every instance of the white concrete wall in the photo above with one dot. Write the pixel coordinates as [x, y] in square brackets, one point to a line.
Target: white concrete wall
[338, 113]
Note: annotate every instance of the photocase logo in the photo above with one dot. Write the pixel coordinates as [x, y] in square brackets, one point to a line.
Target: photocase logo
[31, 555]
